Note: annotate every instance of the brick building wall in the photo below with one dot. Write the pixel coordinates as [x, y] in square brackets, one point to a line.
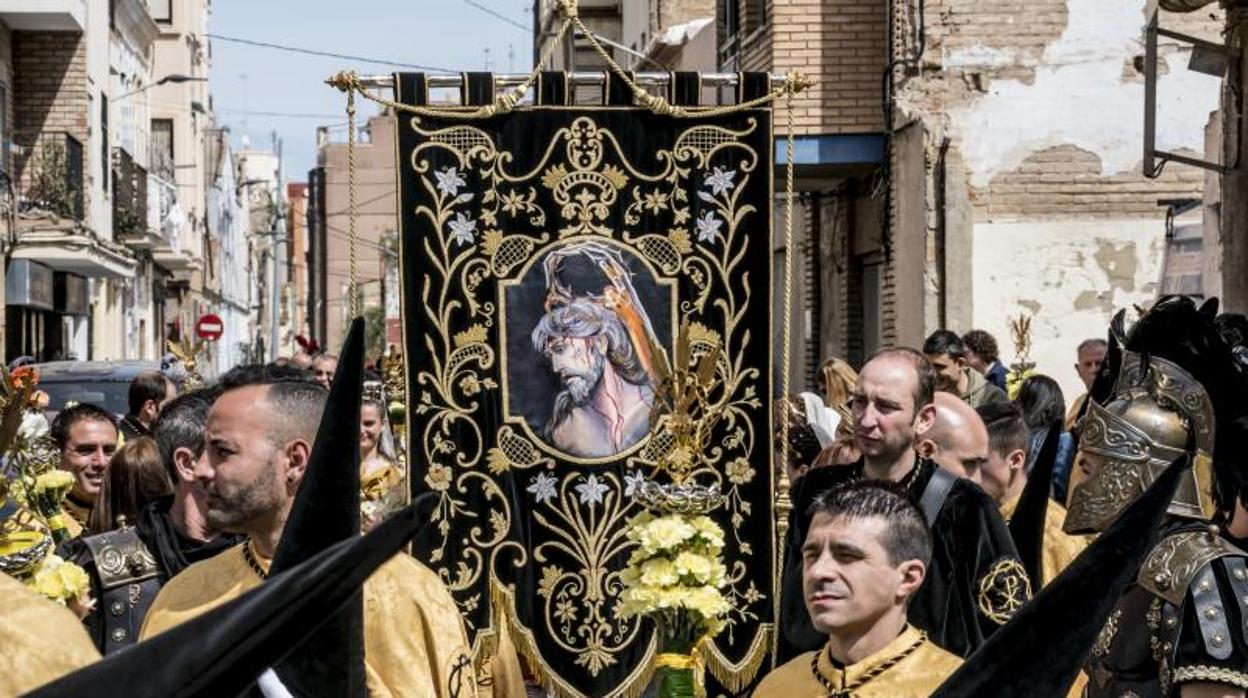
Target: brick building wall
[839, 44]
[6, 80]
[1039, 105]
[49, 90]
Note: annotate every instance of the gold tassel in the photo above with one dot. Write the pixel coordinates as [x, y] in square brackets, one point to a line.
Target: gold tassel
[735, 676]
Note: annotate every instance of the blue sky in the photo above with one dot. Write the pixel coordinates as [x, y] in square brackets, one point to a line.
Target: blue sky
[448, 34]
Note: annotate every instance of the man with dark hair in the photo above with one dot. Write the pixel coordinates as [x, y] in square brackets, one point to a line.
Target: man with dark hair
[975, 581]
[865, 556]
[982, 356]
[948, 356]
[86, 437]
[258, 439]
[1004, 475]
[171, 532]
[149, 392]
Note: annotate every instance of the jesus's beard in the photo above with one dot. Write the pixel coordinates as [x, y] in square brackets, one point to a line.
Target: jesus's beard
[580, 385]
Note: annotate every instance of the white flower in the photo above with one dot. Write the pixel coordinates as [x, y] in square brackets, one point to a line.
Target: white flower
[449, 181]
[708, 227]
[633, 482]
[463, 229]
[34, 426]
[721, 180]
[591, 490]
[543, 487]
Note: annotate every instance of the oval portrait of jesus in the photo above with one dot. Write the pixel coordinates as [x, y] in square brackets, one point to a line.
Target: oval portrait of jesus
[579, 327]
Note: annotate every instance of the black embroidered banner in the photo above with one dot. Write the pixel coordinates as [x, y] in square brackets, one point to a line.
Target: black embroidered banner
[542, 250]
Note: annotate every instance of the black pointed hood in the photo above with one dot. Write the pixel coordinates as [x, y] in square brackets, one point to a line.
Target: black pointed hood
[1027, 524]
[1039, 652]
[224, 651]
[327, 510]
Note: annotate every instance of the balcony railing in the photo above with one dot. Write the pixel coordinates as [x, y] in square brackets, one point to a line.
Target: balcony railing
[129, 196]
[163, 215]
[53, 176]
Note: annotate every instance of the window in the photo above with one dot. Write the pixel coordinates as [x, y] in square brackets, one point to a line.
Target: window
[4, 129]
[105, 160]
[161, 154]
[162, 10]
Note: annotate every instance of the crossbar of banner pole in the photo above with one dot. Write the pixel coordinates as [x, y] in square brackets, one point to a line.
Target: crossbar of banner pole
[577, 79]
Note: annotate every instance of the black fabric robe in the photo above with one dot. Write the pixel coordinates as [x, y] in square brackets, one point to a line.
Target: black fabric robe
[969, 539]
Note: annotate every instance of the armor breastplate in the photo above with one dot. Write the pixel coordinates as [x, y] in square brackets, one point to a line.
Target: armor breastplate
[1135, 653]
[129, 579]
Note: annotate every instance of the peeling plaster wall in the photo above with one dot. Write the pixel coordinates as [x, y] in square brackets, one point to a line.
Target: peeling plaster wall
[1083, 93]
[1071, 276]
[1042, 102]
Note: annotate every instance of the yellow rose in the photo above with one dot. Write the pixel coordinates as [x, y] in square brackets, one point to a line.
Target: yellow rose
[73, 578]
[53, 480]
[698, 566]
[707, 601]
[659, 572]
[666, 533]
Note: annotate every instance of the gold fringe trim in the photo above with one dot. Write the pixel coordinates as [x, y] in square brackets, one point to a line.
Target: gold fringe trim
[735, 676]
[633, 686]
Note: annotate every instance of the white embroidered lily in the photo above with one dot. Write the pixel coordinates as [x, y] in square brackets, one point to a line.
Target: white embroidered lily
[463, 229]
[542, 487]
[591, 490]
[633, 482]
[449, 181]
[720, 180]
[708, 227]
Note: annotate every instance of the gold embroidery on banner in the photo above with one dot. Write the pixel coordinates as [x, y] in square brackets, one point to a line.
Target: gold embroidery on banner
[491, 227]
[1003, 590]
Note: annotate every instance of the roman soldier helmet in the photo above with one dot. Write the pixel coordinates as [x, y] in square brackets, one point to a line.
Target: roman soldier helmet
[1176, 379]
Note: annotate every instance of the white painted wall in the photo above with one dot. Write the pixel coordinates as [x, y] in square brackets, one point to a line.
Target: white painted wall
[1080, 97]
[1068, 275]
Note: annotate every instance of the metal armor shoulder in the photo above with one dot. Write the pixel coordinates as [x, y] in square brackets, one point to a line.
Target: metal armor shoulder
[121, 557]
[1174, 563]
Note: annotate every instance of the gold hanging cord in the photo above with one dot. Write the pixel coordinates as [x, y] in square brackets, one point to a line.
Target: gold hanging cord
[792, 83]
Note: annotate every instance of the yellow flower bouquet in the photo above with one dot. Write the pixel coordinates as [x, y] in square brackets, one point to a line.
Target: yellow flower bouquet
[674, 577]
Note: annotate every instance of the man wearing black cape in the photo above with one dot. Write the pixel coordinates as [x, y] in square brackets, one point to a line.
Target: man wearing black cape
[975, 581]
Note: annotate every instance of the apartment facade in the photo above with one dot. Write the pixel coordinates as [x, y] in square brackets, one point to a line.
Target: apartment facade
[329, 250]
[971, 164]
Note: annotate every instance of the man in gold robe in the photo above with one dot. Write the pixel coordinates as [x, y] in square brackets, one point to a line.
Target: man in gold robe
[865, 555]
[1004, 475]
[42, 641]
[259, 441]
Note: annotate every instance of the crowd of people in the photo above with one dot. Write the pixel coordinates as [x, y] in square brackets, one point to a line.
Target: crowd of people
[930, 494]
[933, 493]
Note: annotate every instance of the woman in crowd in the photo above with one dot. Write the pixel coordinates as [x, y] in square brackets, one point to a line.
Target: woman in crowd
[1044, 407]
[136, 476]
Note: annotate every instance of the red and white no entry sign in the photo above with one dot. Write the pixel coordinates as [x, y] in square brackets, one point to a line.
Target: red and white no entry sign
[209, 327]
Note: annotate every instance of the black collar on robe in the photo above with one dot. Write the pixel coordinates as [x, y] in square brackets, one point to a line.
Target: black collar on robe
[223, 651]
[173, 551]
[326, 510]
[969, 537]
[1039, 652]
